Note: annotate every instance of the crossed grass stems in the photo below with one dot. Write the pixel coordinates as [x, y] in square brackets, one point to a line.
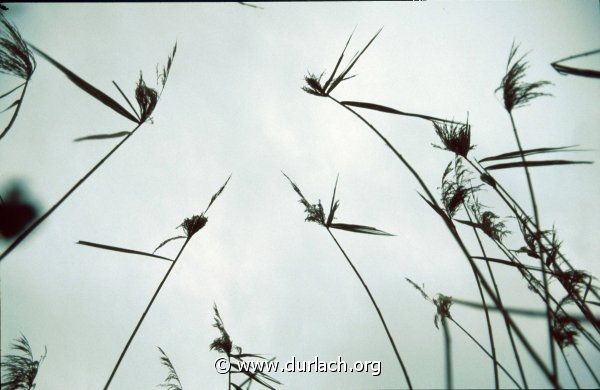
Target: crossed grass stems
[17, 60]
[460, 193]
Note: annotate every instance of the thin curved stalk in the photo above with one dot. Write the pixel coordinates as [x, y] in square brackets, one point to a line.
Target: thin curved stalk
[16, 112]
[137, 327]
[387, 331]
[41, 219]
[540, 363]
[504, 370]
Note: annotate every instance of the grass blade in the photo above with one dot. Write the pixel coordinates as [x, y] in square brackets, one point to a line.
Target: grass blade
[12, 90]
[123, 250]
[565, 70]
[337, 65]
[87, 87]
[529, 152]
[15, 103]
[127, 100]
[359, 229]
[542, 163]
[389, 110]
[166, 242]
[342, 75]
[102, 136]
[216, 195]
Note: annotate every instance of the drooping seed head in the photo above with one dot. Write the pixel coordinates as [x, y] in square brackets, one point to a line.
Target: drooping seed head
[565, 330]
[455, 137]
[15, 57]
[147, 98]
[515, 91]
[313, 85]
[442, 303]
[193, 224]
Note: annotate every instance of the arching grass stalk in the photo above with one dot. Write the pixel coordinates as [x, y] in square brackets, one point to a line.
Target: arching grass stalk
[452, 229]
[190, 226]
[517, 93]
[315, 213]
[146, 98]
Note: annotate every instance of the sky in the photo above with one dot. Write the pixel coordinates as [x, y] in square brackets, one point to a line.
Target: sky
[233, 104]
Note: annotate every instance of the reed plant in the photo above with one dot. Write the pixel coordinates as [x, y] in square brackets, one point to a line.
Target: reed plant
[315, 213]
[236, 356]
[17, 60]
[459, 193]
[172, 381]
[146, 98]
[20, 368]
[190, 227]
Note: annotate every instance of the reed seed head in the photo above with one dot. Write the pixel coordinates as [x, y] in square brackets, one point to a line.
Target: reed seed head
[488, 179]
[456, 187]
[222, 343]
[146, 98]
[20, 369]
[442, 303]
[313, 85]
[15, 57]
[574, 281]
[455, 137]
[489, 223]
[193, 224]
[565, 330]
[516, 92]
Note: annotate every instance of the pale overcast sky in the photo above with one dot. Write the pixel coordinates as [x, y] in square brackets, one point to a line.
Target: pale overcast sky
[233, 104]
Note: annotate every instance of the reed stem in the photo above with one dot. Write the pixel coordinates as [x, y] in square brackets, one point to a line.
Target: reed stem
[137, 327]
[463, 248]
[42, 218]
[387, 331]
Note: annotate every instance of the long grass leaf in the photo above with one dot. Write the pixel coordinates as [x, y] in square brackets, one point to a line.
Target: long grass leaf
[337, 65]
[565, 70]
[359, 229]
[343, 74]
[334, 205]
[543, 163]
[102, 136]
[87, 87]
[216, 195]
[529, 152]
[14, 104]
[167, 241]
[123, 250]
[127, 100]
[389, 110]
[12, 90]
